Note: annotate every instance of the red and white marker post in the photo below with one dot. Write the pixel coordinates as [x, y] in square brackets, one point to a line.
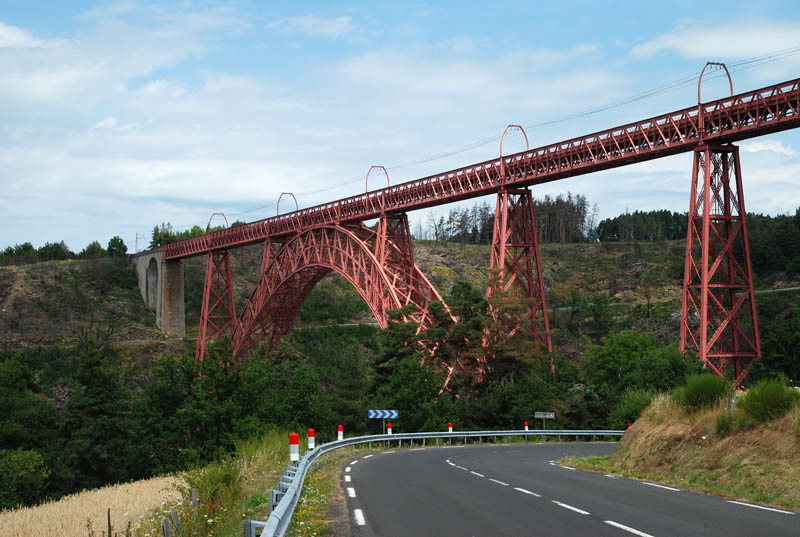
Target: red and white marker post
[449, 427]
[526, 425]
[311, 440]
[294, 447]
[388, 428]
[341, 432]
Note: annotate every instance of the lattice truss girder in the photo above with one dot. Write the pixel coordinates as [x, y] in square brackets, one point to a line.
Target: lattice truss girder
[515, 266]
[218, 313]
[753, 113]
[380, 265]
[719, 316]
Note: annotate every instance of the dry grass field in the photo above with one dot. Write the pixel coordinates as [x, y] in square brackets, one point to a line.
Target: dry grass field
[84, 514]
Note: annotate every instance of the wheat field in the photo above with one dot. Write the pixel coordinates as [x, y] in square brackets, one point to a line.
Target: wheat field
[84, 514]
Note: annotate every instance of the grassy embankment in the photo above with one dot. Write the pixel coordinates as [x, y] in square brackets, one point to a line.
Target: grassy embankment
[712, 450]
[227, 495]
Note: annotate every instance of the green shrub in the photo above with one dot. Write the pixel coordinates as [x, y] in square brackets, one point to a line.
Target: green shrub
[629, 407]
[701, 391]
[770, 398]
[723, 423]
[23, 475]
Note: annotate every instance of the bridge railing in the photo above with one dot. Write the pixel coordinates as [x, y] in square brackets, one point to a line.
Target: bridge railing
[290, 486]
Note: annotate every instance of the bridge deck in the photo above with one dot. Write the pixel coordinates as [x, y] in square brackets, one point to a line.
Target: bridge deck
[746, 115]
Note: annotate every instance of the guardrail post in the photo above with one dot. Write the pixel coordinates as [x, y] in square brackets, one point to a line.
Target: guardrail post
[294, 447]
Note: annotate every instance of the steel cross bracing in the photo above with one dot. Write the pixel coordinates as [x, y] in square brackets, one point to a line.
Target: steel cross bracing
[218, 313]
[515, 270]
[719, 316]
[746, 115]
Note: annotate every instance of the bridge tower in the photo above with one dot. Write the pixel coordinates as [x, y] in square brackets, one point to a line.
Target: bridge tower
[515, 267]
[718, 316]
[218, 313]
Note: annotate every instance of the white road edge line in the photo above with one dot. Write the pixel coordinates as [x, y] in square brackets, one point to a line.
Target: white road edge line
[762, 507]
[347, 469]
[368, 456]
[626, 528]
[566, 506]
[351, 492]
[568, 467]
[476, 473]
[498, 482]
[451, 463]
[661, 486]
[358, 514]
[347, 479]
[611, 476]
[461, 467]
[528, 492]
[387, 452]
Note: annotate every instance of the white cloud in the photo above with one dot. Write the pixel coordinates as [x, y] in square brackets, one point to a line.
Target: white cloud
[13, 37]
[775, 146]
[314, 26]
[740, 39]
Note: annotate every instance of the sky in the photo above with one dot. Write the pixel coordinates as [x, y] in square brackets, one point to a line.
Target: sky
[116, 117]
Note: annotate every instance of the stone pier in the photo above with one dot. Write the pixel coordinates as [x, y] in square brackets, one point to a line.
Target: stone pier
[161, 285]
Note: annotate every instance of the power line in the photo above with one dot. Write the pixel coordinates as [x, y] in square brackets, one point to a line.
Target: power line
[680, 83]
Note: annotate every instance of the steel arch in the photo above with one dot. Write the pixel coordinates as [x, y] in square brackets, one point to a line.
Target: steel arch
[378, 264]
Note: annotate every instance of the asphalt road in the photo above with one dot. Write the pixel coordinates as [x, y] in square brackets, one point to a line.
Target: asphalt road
[517, 490]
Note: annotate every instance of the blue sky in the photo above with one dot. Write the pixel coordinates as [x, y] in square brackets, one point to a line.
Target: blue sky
[118, 116]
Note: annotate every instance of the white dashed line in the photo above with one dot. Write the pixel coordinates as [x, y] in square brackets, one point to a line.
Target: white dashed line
[368, 456]
[347, 479]
[568, 467]
[566, 506]
[351, 492]
[476, 473]
[528, 492]
[353, 462]
[347, 469]
[762, 507]
[387, 452]
[611, 476]
[498, 482]
[626, 528]
[358, 514]
[661, 486]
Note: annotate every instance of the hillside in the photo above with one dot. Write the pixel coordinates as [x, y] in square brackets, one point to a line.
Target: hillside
[50, 302]
[757, 461]
[636, 285]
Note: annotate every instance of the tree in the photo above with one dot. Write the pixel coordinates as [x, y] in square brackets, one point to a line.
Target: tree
[98, 428]
[117, 248]
[54, 251]
[92, 251]
[23, 475]
[631, 360]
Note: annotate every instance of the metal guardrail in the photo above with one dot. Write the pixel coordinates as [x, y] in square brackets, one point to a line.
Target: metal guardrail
[290, 485]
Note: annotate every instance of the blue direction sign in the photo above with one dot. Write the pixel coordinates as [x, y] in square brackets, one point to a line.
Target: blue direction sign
[383, 414]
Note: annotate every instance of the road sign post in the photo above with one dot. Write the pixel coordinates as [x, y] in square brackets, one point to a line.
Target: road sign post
[383, 415]
[544, 416]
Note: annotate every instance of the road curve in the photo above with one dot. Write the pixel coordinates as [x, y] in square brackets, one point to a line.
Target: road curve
[516, 490]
